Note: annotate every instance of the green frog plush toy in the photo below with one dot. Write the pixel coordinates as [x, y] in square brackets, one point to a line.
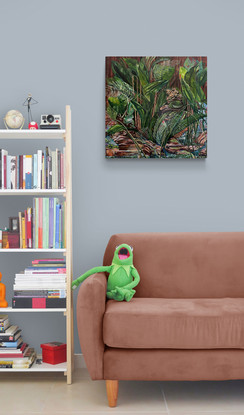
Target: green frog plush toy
[123, 276]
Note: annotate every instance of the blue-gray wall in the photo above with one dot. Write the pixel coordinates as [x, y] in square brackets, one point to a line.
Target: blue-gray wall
[56, 50]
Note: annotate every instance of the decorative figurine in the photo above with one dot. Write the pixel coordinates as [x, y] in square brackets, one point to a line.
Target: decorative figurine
[3, 302]
[33, 125]
[27, 103]
[123, 276]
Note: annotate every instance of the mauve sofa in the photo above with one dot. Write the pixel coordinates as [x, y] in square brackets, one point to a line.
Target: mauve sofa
[186, 320]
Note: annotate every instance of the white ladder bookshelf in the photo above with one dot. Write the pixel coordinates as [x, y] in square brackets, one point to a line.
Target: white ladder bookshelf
[65, 134]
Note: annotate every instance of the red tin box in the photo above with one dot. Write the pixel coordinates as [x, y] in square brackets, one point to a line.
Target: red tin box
[53, 353]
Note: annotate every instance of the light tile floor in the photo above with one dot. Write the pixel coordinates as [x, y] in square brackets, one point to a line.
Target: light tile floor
[26, 394]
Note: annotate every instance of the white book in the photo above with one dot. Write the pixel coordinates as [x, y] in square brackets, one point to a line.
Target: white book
[4, 153]
[37, 276]
[39, 169]
[53, 169]
[44, 279]
[64, 166]
[9, 171]
[13, 172]
[56, 162]
[40, 286]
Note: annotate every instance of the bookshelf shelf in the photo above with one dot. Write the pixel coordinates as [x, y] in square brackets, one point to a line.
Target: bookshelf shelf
[44, 367]
[64, 134]
[35, 192]
[32, 310]
[22, 250]
[32, 134]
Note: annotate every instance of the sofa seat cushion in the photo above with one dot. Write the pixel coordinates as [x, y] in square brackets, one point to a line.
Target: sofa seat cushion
[150, 323]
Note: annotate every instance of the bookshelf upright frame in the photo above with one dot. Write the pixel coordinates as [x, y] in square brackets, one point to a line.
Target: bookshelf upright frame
[65, 134]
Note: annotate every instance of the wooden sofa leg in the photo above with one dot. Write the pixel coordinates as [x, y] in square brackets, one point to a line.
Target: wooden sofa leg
[112, 387]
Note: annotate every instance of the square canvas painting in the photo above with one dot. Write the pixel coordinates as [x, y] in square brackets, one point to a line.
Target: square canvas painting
[156, 107]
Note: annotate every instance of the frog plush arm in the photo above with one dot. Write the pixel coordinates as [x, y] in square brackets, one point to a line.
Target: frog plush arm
[87, 274]
[136, 280]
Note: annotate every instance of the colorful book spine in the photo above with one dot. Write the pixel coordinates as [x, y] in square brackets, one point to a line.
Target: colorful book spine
[17, 174]
[29, 228]
[33, 224]
[51, 221]
[20, 231]
[38, 302]
[57, 227]
[40, 229]
[36, 223]
[28, 171]
[23, 232]
[21, 172]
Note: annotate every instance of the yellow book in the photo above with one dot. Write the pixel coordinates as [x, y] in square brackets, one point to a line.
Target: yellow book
[23, 234]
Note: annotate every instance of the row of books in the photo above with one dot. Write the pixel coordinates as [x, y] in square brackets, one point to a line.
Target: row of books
[40, 226]
[43, 170]
[14, 352]
[41, 285]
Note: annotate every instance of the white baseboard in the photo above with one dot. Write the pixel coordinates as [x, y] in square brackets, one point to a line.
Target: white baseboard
[79, 361]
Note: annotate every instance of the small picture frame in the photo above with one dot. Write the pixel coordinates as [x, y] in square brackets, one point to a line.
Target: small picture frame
[14, 224]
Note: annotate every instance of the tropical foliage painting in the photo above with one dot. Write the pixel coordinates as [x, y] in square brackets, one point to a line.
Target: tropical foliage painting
[156, 107]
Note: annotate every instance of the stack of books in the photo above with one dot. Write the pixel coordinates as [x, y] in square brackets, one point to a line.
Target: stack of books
[40, 226]
[43, 170]
[14, 353]
[42, 285]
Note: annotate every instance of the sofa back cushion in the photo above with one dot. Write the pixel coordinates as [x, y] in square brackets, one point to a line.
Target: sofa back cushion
[185, 265]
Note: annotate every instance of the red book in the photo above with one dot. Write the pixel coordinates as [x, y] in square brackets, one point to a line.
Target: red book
[40, 223]
[26, 228]
[13, 240]
[52, 260]
[29, 238]
[21, 172]
[13, 355]
[5, 171]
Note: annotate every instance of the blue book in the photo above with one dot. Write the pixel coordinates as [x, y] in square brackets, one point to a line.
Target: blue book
[10, 345]
[49, 268]
[57, 227]
[28, 180]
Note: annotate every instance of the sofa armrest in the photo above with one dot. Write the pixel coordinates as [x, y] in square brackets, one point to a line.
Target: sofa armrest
[91, 304]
